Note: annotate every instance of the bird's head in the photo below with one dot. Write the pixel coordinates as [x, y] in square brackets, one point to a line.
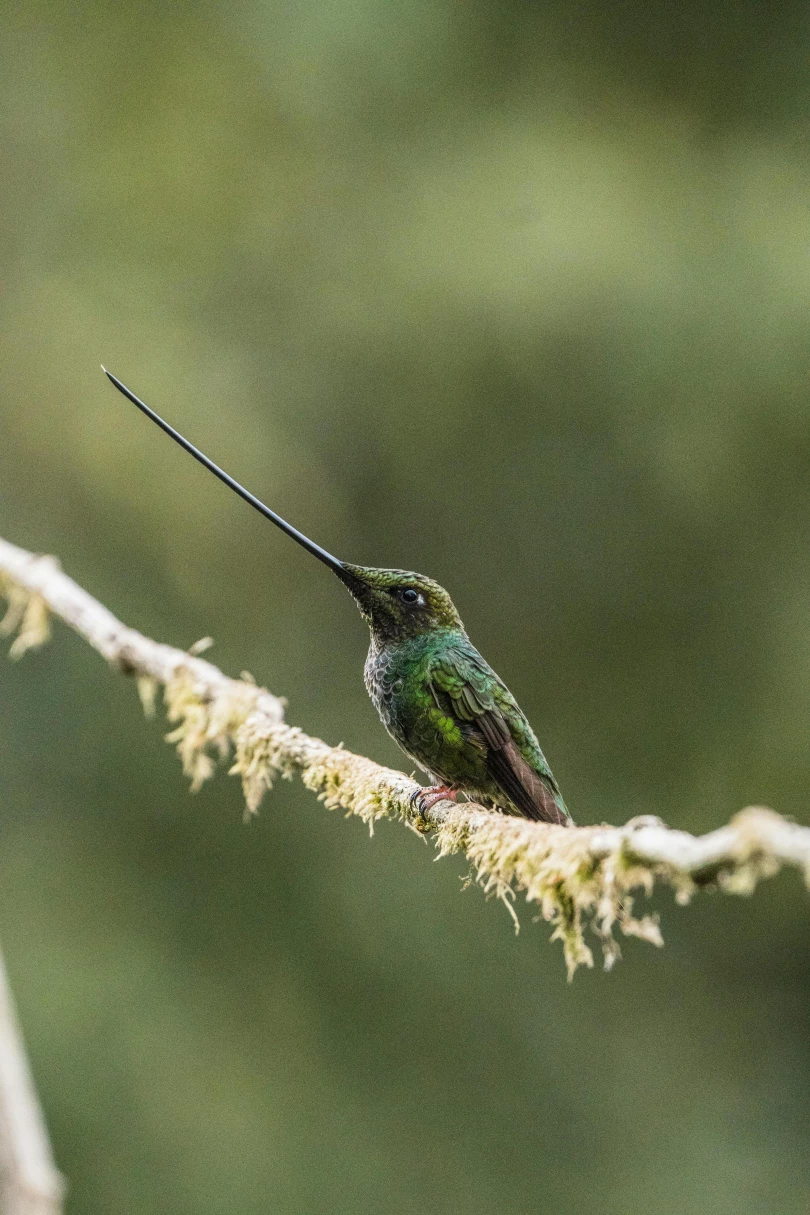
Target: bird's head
[397, 603]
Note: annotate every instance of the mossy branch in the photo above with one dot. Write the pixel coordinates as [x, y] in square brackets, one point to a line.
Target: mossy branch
[581, 877]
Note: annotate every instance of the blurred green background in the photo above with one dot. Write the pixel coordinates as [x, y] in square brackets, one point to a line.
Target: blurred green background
[514, 294]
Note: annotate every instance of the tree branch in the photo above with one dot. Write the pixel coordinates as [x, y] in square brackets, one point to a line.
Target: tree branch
[580, 877]
[29, 1181]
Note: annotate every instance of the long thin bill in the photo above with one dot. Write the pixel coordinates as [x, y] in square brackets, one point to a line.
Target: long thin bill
[304, 541]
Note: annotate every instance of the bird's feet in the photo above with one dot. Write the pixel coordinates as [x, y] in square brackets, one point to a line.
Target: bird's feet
[423, 799]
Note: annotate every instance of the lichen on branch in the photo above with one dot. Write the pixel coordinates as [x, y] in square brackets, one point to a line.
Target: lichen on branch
[27, 616]
[580, 878]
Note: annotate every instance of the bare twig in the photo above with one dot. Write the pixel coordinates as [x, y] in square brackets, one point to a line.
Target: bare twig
[580, 877]
[29, 1181]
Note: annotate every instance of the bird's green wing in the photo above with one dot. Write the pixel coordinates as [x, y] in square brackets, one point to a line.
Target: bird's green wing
[467, 687]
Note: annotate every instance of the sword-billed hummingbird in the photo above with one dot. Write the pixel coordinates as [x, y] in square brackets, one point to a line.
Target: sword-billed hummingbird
[436, 696]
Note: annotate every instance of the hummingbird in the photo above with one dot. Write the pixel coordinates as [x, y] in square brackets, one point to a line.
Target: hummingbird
[436, 696]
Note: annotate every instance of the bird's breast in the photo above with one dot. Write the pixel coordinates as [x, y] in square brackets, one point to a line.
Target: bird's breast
[385, 681]
[398, 683]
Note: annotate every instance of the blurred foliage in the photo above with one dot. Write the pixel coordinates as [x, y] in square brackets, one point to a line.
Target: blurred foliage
[513, 294]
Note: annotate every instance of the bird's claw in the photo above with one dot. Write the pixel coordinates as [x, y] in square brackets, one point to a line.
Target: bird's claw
[423, 799]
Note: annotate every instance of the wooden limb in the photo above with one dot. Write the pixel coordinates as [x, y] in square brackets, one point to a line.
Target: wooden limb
[29, 1181]
[579, 876]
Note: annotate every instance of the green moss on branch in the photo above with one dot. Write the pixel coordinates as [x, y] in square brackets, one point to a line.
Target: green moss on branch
[580, 879]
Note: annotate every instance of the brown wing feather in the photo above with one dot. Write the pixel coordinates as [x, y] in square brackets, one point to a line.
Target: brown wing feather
[513, 775]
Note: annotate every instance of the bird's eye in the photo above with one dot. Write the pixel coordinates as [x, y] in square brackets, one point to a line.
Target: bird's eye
[409, 595]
